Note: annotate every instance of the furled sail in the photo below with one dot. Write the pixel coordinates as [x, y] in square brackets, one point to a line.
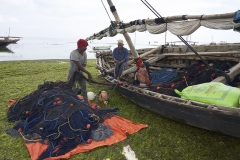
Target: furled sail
[178, 25]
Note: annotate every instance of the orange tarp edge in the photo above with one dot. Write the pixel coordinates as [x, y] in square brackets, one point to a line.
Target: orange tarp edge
[120, 127]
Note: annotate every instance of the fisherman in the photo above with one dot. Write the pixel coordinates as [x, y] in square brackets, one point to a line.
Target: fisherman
[120, 58]
[78, 61]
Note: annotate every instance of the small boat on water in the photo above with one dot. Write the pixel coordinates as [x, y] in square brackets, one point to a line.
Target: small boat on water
[102, 48]
[174, 68]
[5, 41]
[106, 47]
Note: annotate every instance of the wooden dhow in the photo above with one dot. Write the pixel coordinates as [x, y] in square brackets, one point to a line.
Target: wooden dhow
[5, 41]
[206, 63]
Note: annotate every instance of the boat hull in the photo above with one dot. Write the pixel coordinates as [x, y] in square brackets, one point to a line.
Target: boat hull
[5, 43]
[200, 115]
[220, 119]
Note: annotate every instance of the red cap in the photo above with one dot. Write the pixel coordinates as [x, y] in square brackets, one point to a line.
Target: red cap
[139, 62]
[82, 43]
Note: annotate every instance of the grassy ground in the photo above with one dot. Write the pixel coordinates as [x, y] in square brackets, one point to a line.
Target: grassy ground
[163, 139]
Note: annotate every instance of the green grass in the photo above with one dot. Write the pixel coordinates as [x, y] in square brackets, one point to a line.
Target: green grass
[163, 139]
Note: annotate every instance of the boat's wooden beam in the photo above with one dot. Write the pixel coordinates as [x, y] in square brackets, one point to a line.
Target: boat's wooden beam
[186, 54]
[205, 58]
[203, 53]
[233, 72]
[189, 55]
[193, 17]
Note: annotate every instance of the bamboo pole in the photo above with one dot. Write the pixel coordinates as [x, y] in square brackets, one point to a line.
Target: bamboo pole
[125, 34]
[192, 17]
[233, 72]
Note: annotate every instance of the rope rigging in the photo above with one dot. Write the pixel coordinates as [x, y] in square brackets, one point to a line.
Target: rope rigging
[154, 12]
[112, 23]
[106, 11]
[218, 72]
[151, 8]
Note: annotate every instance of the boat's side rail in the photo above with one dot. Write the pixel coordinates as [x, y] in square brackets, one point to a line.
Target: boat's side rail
[144, 91]
[184, 49]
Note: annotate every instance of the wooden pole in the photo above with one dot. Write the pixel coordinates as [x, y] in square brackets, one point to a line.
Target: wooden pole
[233, 72]
[125, 34]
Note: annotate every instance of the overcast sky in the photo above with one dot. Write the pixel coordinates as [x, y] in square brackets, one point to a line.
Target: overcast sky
[82, 18]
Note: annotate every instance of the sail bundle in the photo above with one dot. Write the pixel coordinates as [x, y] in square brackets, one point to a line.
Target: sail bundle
[177, 25]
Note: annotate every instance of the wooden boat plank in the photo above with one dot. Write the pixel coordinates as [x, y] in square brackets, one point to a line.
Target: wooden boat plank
[233, 72]
[218, 121]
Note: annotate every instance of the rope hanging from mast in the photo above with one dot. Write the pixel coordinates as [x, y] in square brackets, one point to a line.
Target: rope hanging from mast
[106, 11]
[151, 8]
[156, 13]
[111, 28]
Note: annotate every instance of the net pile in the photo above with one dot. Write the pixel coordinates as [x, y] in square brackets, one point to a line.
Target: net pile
[163, 75]
[192, 75]
[55, 115]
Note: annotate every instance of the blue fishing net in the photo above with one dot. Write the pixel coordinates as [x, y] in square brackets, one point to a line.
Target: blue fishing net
[163, 75]
[191, 75]
[236, 18]
[55, 115]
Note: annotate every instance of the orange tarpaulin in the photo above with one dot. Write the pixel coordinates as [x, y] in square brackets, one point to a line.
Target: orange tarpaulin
[120, 127]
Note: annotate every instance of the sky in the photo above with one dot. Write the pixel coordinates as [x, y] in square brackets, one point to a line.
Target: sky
[83, 18]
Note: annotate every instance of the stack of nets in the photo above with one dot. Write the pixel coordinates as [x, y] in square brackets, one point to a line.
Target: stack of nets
[55, 115]
[192, 75]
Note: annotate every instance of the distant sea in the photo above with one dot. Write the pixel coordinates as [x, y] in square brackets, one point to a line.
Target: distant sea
[40, 48]
[49, 48]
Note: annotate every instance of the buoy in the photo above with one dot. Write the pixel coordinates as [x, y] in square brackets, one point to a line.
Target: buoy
[46, 141]
[91, 96]
[89, 141]
[19, 130]
[27, 112]
[102, 96]
[59, 102]
[93, 107]
[88, 126]
[120, 83]
[105, 102]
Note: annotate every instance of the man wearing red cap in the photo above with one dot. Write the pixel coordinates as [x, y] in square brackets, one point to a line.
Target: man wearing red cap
[78, 61]
[142, 75]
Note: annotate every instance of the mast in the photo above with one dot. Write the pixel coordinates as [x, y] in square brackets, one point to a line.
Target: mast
[125, 34]
[8, 31]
